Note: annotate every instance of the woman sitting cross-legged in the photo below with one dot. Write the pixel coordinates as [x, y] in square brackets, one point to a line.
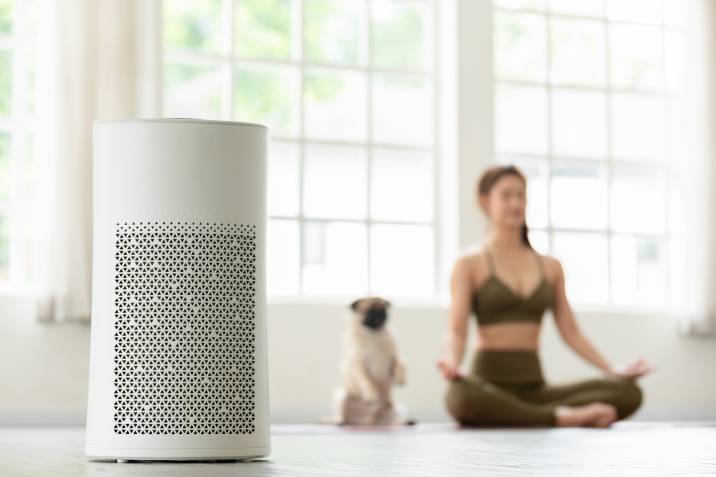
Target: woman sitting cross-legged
[508, 286]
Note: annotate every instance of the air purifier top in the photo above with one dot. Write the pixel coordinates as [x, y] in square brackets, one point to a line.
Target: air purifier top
[178, 120]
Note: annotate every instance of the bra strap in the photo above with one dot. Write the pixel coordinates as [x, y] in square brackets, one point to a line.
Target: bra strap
[490, 262]
[540, 264]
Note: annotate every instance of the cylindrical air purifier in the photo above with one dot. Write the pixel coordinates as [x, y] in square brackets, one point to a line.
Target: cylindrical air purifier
[178, 358]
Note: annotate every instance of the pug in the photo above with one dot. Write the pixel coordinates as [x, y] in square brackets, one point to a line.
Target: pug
[370, 368]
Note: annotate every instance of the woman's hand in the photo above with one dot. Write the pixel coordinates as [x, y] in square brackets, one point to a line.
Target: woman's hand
[633, 370]
[449, 369]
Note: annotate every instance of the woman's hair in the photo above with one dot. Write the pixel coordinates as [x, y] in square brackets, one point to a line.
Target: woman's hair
[490, 177]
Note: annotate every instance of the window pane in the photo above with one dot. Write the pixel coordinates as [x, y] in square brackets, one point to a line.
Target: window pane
[262, 28]
[401, 260]
[637, 127]
[536, 172]
[635, 54]
[268, 95]
[637, 203]
[6, 16]
[521, 113]
[334, 31]
[335, 258]
[193, 91]
[540, 241]
[584, 259]
[283, 181]
[579, 124]
[675, 53]
[677, 270]
[282, 260]
[527, 4]
[579, 195]
[676, 130]
[402, 110]
[193, 25]
[335, 105]
[641, 11]
[402, 34]
[401, 185]
[677, 206]
[335, 182]
[578, 52]
[5, 83]
[675, 12]
[520, 46]
[4, 168]
[580, 7]
[4, 249]
[638, 270]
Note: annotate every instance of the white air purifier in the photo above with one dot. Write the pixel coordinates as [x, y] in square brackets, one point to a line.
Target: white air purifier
[178, 358]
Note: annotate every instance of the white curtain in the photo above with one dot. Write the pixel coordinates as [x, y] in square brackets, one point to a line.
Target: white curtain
[699, 172]
[92, 59]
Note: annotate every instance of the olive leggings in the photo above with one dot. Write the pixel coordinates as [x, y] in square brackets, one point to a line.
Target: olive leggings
[506, 388]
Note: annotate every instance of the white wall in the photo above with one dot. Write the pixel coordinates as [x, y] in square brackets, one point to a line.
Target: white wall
[44, 367]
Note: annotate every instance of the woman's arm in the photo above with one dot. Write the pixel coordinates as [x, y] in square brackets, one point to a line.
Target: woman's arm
[460, 291]
[571, 334]
[567, 325]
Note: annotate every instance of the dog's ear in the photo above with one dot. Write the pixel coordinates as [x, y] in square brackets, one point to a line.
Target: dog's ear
[354, 305]
[387, 303]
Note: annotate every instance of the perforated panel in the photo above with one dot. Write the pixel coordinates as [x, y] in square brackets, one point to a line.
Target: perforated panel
[184, 328]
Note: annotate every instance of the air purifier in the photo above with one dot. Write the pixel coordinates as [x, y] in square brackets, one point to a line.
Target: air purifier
[178, 358]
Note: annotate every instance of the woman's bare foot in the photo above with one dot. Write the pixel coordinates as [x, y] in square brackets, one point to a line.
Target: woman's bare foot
[607, 417]
[589, 415]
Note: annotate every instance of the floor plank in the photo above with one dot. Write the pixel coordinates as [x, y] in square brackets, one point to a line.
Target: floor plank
[628, 448]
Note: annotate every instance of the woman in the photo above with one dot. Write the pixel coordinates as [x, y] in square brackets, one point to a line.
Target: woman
[508, 286]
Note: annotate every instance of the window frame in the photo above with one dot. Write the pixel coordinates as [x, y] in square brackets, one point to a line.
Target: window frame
[18, 126]
[662, 166]
[231, 61]
[8, 127]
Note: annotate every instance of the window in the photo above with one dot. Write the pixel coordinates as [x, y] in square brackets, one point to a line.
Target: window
[6, 57]
[587, 102]
[348, 91]
[17, 165]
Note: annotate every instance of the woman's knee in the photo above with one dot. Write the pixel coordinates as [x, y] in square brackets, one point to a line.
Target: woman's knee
[629, 399]
[464, 400]
[454, 398]
[458, 399]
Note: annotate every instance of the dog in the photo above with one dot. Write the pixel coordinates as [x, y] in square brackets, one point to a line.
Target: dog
[370, 368]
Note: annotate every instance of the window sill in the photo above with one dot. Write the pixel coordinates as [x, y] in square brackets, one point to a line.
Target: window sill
[437, 304]
[442, 306]
[16, 292]
[344, 302]
[625, 310]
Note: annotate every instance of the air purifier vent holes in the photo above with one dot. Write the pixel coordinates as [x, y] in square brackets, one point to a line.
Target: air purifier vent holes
[184, 328]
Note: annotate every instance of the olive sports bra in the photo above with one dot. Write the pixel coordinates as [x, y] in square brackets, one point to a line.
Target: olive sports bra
[495, 302]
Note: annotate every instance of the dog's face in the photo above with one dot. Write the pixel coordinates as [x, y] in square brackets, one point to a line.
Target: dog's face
[371, 311]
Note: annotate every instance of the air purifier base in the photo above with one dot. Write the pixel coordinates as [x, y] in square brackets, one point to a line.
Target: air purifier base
[168, 454]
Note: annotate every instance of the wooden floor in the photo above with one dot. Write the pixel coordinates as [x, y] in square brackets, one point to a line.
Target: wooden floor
[628, 448]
